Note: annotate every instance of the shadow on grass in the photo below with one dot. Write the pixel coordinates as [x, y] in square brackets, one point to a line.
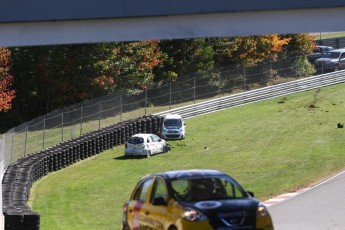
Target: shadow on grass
[129, 158]
[123, 157]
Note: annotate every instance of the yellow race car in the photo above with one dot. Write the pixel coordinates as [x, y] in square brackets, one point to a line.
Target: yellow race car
[193, 199]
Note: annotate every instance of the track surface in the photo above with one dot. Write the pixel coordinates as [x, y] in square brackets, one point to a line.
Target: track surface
[321, 207]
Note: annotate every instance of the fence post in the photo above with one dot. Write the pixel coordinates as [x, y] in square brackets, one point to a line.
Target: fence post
[145, 99]
[12, 148]
[219, 83]
[170, 93]
[244, 78]
[194, 89]
[62, 125]
[44, 130]
[121, 107]
[81, 119]
[26, 141]
[271, 72]
[100, 114]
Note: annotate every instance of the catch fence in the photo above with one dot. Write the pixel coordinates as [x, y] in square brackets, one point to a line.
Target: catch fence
[76, 120]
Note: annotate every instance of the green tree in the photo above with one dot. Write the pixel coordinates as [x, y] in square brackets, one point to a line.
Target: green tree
[298, 45]
[130, 67]
[50, 77]
[187, 56]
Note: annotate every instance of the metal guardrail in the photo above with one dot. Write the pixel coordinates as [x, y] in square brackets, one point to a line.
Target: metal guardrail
[258, 95]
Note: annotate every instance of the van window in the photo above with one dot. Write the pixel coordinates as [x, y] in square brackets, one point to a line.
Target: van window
[173, 122]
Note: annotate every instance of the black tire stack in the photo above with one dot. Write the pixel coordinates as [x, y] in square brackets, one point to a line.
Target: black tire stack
[20, 176]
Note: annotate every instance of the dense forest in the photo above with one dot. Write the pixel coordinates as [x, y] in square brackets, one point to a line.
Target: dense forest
[36, 80]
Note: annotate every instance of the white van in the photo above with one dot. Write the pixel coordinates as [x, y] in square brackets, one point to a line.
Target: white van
[173, 127]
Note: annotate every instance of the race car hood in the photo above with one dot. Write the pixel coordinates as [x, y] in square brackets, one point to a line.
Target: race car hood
[238, 213]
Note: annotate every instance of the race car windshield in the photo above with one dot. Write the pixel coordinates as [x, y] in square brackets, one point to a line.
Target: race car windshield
[208, 188]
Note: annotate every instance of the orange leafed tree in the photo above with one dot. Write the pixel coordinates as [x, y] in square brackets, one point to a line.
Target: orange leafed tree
[6, 94]
[255, 49]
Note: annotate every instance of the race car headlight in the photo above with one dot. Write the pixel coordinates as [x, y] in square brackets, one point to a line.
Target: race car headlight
[191, 214]
[262, 210]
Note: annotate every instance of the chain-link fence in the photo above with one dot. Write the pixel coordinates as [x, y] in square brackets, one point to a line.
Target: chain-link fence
[73, 121]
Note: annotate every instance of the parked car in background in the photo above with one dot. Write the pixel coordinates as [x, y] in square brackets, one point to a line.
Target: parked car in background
[144, 144]
[318, 52]
[333, 60]
[173, 127]
[193, 199]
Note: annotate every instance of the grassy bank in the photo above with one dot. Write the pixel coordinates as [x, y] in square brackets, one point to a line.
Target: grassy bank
[270, 147]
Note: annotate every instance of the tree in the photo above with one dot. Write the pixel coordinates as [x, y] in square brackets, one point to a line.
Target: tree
[187, 56]
[299, 44]
[51, 77]
[130, 67]
[6, 94]
[250, 50]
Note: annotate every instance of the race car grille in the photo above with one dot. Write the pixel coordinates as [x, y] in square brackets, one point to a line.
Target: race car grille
[173, 131]
[173, 135]
[235, 221]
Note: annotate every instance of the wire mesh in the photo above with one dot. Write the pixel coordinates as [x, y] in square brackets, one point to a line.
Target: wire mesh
[75, 120]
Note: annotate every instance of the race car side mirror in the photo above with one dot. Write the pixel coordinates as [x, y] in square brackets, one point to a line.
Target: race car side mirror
[250, 193]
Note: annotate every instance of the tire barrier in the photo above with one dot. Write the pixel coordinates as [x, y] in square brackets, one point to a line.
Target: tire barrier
[19, 176]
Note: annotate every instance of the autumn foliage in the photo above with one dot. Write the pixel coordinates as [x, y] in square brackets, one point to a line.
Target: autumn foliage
[130, 66]
[50, 77]
[6, 94]
[252, 50]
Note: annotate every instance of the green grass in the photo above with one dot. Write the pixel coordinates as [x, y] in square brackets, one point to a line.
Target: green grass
[270, 147]
[329, 35]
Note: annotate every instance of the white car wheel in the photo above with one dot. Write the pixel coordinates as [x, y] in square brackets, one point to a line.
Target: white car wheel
[149, 153]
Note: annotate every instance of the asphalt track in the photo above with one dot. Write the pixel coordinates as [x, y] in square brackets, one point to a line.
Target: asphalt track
[321, 207]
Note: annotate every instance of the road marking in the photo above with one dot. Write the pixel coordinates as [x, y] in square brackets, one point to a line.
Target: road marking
[286, 196]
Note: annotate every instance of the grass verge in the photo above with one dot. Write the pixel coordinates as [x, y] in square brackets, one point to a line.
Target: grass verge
[270, 147]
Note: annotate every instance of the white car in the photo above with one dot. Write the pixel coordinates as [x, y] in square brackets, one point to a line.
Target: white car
[145, 144]
[173, 127]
